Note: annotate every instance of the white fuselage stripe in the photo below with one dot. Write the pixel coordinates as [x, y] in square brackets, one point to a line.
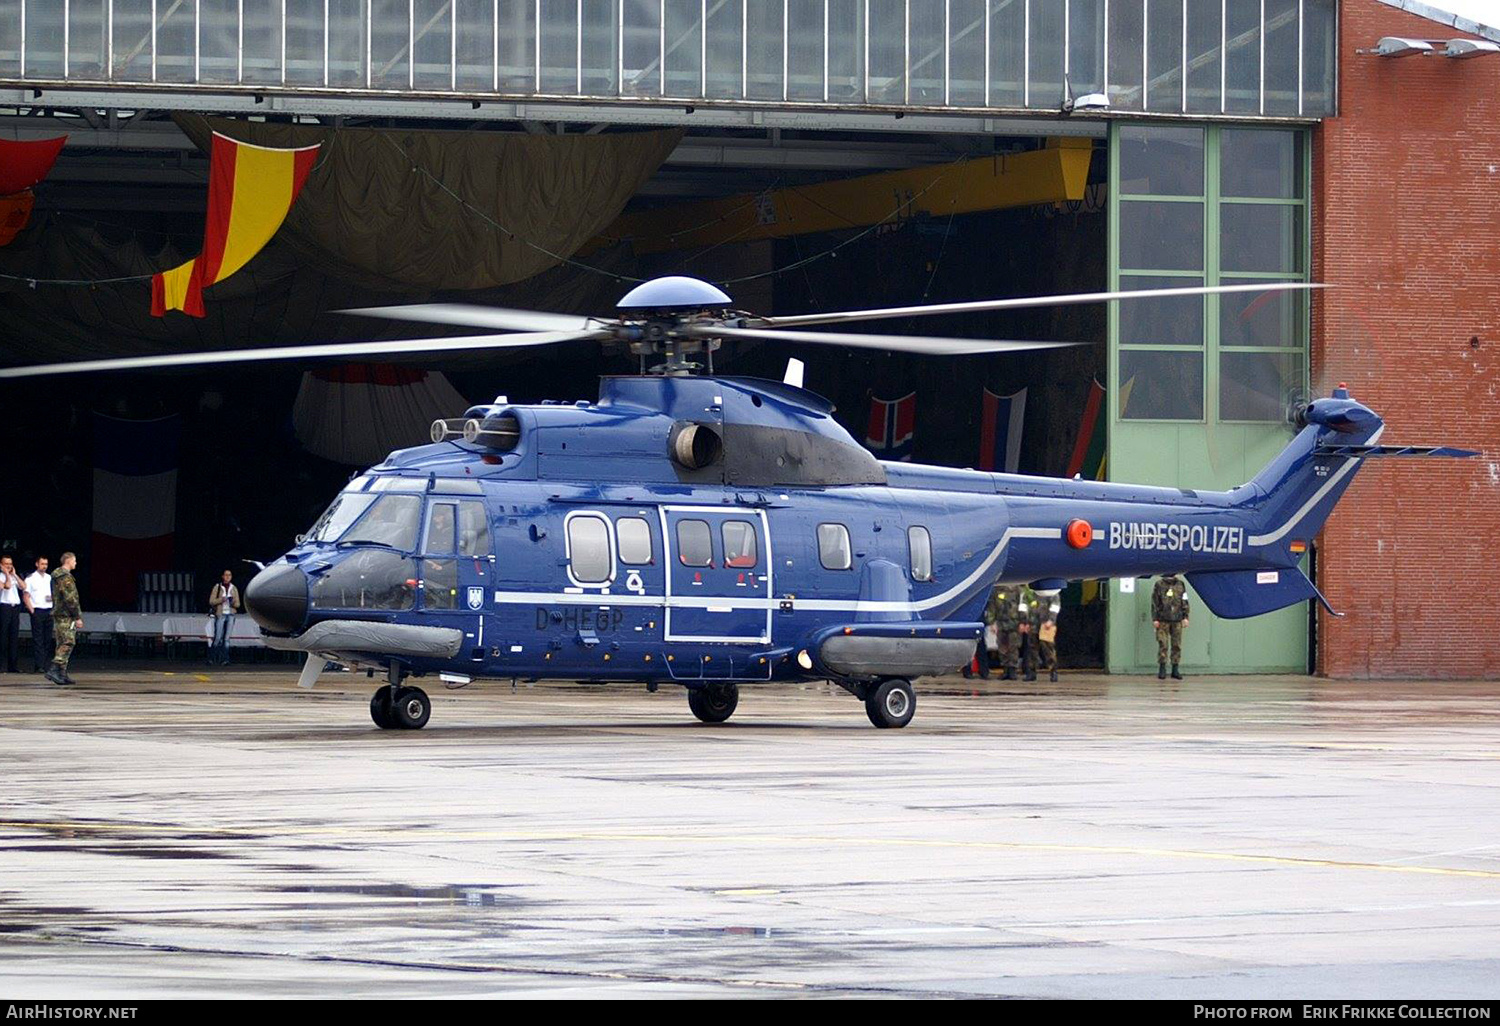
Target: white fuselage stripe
[815, 605]
[1333, 479]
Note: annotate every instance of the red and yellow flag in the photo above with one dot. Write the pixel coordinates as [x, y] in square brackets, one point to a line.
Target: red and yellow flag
[250, 190]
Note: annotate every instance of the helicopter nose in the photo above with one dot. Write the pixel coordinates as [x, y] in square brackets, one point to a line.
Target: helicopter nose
[276, 598]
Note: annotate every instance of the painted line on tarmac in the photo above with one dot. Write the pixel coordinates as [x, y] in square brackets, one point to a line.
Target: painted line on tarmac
[406, 835]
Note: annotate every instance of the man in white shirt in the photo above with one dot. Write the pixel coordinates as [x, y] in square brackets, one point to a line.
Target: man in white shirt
[11, 590]
[39, 605]
[223, 602]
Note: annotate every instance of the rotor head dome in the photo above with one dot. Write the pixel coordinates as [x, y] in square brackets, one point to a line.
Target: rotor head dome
[675, 292]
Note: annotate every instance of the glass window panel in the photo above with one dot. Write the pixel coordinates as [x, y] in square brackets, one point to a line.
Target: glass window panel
[44, 37]
[1161, 161]
[1318, 39]
[388, 43]
[218, 40]
[1161, 236]
[695, 543]
[473, 529]
[1156, 385]
[1242, 57]
[1204, 42]
[834, 551]
[1126, 35]
[1085, 45]
[1258, 386]
[1261, 318]
[846, 49]
[442, 529]
[341, 512]
[684, 47]
[433, 44]
[805, 49]
[517, 45]
[1173, 321]
[588, 550]
[928, 53]
[475, 50]
[132, 28]
[86, 32]
[391, 521]
[600, 32]
[966, 52]
[1046, 49]
[740, 551]
[725, 47]
[919, 542]
[174, 40]
[642, 48]
[887, 51]
[1261, 162]
[1007, 52]
[346, 42]
[1281, 56]
[1164, 55]
[439, 584]
[10, 37]
[560, 47]
[635, 541]
[1260, 237]
[368, 579]
[763, 54]
[304, 41]
[262, 42]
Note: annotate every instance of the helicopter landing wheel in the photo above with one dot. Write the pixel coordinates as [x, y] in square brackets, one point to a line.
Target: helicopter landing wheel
[891, 703]
[412, 709]
[381, 710]
[714, 703]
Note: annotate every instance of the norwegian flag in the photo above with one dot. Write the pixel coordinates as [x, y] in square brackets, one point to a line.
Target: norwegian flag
[893, 422]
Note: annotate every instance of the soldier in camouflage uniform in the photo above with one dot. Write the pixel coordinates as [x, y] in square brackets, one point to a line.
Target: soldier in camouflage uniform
[1042, 609]
[1169, 615]
[1004, 611]
[67, 617]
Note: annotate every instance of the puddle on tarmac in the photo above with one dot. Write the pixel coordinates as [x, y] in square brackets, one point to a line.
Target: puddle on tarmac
[138, 851]
[470, 896]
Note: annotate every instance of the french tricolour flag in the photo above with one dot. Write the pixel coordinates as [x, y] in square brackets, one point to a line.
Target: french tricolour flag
[893, 422]
[1000, 431]
[135, 504]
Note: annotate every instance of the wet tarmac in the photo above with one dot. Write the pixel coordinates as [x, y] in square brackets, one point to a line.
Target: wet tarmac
[222, 833]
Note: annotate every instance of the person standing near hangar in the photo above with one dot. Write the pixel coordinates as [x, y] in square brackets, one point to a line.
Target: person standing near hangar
[11, 592]
[1169, 615]
[67, 617]
[39, 605]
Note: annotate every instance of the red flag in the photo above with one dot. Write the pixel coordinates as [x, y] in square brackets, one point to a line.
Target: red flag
[24, 162]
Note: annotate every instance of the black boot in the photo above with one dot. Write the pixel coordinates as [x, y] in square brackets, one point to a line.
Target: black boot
[1161, 671]
[1009, 674]
[55, 674]
[1054, 676]
[1176, 673]
[1031, 675]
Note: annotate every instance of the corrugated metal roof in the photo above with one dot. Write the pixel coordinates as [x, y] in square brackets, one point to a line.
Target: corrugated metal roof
[1471, 17]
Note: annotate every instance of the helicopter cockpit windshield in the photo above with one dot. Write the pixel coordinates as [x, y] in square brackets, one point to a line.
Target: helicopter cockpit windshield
[369, 518]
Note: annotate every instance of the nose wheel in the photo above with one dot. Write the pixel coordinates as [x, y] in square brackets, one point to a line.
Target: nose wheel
[408, 709]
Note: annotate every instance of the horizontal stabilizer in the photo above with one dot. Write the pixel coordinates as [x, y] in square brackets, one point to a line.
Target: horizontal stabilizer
[1367, 451]
[1236, 594]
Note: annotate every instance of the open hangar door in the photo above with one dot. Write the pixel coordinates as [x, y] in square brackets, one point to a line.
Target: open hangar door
[787, 222]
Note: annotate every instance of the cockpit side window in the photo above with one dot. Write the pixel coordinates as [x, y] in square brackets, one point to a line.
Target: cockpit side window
[441, 523]
[473, 529]
[391, 521]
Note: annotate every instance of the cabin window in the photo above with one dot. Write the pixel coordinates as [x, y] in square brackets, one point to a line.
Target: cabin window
[834, 551]
[473, 529]
[920, 544]
[440, 529]
[739, 544]
[589, 553]
[635, 541]
[343, 511]
[391, 522]
[366, 579]
[695, 543]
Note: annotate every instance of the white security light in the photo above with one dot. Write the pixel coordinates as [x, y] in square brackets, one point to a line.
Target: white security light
[1396, 46]
[1465, 48]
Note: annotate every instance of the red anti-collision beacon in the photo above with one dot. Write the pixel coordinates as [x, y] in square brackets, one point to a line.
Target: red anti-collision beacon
[1079, 533]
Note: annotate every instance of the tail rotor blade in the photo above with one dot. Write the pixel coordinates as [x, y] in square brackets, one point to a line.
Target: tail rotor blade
[343, 351]
[469, 315]
[891, 343]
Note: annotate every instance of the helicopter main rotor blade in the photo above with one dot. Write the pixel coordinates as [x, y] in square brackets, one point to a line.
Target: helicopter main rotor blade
[893, 343]
[1023, 303]
[470, 315]
[345, 351]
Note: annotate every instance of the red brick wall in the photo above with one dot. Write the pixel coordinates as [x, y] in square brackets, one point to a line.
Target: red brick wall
[1406, 207]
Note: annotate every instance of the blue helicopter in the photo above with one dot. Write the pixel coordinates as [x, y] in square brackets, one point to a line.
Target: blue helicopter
[718, 531]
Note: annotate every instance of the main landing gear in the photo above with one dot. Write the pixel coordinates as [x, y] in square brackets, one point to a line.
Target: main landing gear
[714, 703]
[890, 703]
[397, 707]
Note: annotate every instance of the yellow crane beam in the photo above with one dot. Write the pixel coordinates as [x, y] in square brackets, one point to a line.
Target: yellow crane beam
[1058, 172]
